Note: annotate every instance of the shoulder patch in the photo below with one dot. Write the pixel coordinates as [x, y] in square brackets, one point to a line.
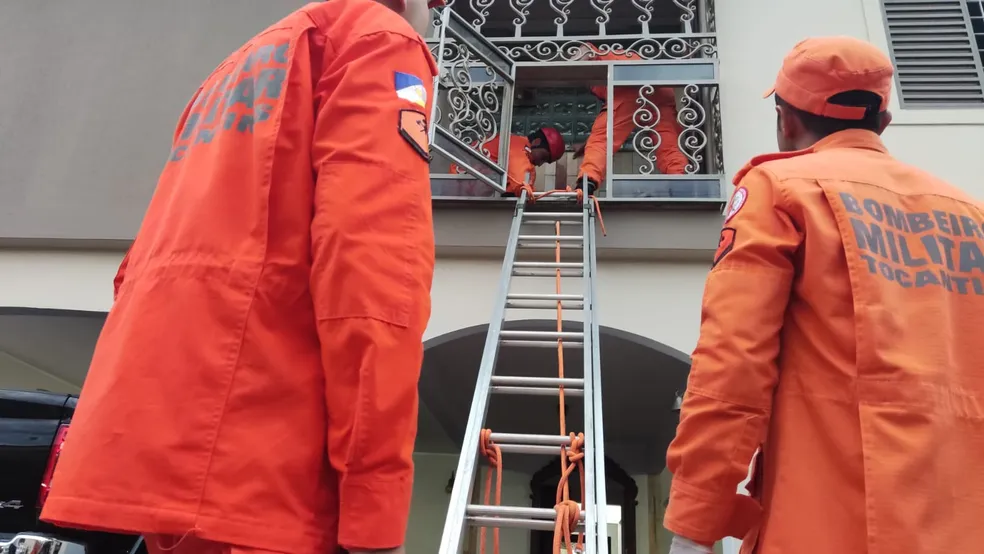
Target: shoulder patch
[737, 201]
[410, 88]
[762, 158]
[726, 243]
[413, 128]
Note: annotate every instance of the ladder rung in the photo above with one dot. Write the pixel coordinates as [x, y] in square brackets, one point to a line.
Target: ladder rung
[552, 306]
[558, 195]
[516, 380]
[512, 522]
[535, 391]
[554, 215]
[548, 514]
[553, 223]
[542, 343]
[547, 273]
[543, 245]
[553, 238]
[548, 269]
[541, 335]
[545, 297]
[530, 449]
[549, 265]
[523, 438]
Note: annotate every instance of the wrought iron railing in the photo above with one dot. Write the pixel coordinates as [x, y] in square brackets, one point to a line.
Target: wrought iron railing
[664, 47]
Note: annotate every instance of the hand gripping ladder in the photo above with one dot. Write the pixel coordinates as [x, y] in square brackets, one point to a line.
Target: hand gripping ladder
[554, 210]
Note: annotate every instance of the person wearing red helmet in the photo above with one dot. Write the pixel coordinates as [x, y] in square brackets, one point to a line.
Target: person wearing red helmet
[254, 388]
[625, 111]
[545, 145]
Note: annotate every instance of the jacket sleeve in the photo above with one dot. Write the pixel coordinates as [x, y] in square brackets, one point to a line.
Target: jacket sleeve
[733, 375]
[372, 266]
[120, 276]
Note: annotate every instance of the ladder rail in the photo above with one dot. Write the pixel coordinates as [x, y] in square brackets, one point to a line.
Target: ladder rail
[461, 490]
[598, 432]
[588, 492]
[592, 524]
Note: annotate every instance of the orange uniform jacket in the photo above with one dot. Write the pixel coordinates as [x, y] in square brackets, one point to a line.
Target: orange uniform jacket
[256, 379]
[521, 170]
[669, 159]
[841, 332]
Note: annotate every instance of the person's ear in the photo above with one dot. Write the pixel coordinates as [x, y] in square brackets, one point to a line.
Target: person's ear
[788, 124]
[886, 120]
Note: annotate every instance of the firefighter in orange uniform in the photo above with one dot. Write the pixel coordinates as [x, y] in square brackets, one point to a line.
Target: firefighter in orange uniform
[545, 145]
[623, 108]
[254, 388]
[840, 335]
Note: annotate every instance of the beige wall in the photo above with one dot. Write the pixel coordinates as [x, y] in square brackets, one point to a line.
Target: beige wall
[656, 299]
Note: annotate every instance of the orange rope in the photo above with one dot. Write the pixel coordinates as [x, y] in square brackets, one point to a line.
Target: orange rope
[572, 456]
[493, 453]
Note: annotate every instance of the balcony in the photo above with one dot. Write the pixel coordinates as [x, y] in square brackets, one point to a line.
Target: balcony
[523, 64]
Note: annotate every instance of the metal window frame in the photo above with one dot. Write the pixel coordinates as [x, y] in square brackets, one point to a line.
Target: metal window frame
[955, 105]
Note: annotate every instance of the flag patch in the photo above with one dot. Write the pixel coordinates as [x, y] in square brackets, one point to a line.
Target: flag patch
[410, 88]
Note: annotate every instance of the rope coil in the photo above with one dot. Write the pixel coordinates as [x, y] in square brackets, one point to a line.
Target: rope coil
[493, 454]
[568, 512]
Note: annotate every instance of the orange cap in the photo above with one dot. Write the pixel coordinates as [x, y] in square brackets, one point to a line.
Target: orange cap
[819, 68]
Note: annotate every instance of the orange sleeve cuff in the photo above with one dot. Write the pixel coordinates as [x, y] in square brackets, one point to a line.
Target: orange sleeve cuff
[373, 512]
[706, 517]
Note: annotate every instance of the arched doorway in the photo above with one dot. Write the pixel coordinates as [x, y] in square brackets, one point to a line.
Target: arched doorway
[640, 380]
[621, 490]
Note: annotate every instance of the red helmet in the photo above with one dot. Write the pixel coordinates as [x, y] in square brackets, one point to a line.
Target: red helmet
[550, 139]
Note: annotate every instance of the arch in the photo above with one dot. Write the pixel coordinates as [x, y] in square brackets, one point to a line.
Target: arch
[640, 379]
[483, 329]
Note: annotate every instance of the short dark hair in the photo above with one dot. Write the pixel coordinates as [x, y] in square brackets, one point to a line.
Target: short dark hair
[824, 126]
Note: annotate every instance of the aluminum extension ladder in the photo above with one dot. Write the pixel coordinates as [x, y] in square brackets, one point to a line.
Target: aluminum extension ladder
[547, 210]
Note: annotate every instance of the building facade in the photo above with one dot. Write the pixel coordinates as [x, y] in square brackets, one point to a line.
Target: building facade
[92, 94]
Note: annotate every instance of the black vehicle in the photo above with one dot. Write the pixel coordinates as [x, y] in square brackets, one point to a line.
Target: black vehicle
[33, 427]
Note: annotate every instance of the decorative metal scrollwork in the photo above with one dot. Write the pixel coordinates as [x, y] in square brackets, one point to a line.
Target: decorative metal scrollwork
[473, 108]
[692, 139]
[668, 48]
[481, 9]
[522, 10]
[716, 129]
[563, 9]
[603, 7]
[688, 10]
[646, 7]
[646, 117]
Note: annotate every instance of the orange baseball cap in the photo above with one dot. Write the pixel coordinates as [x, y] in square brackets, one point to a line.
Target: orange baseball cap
[818, 68]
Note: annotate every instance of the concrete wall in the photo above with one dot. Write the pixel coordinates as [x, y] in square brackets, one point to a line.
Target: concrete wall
[656, 299]
[91, 95]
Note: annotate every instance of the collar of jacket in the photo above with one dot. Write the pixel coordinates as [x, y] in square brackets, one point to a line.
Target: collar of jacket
[851, 138]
